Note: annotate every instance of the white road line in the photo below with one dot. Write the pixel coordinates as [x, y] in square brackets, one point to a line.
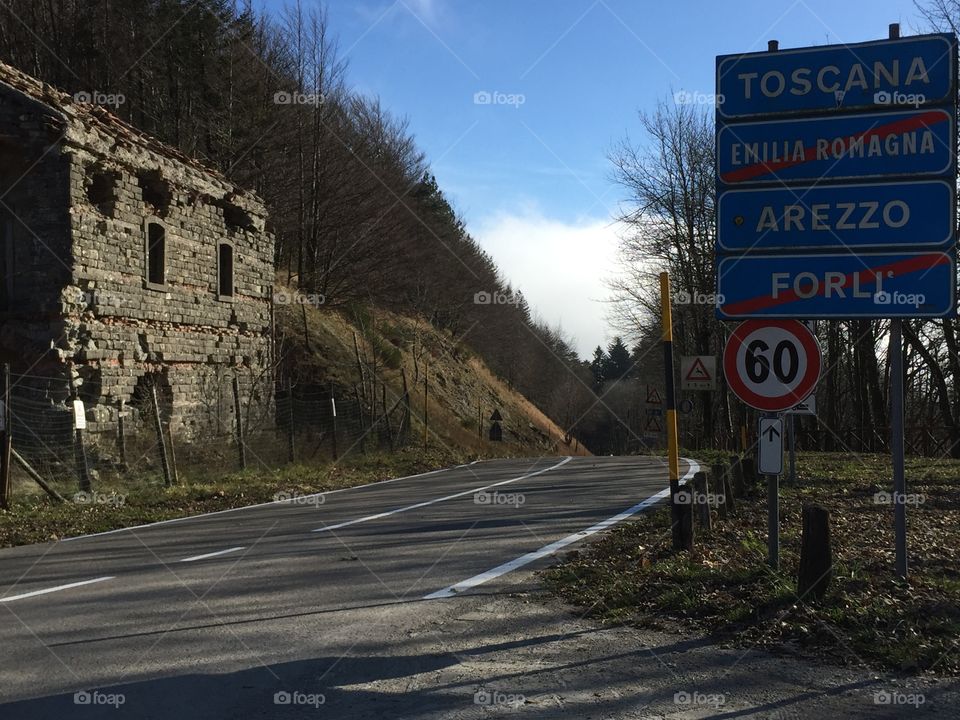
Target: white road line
[213, 554]
[55, 589]
[299, 499]
[554, 546]
[368, 518]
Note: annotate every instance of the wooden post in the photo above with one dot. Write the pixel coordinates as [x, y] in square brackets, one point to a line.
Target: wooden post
[80, 456]
[6, 441]
[121, 434]
[406, 405]
[683, 532]
[736, 472]
[161, 441]
[333, 415]
[426, 395]
[701, 490]
[173, 454]
[36, 476]
[816, 554]
[291, 424]
[386, 417]
[724, 488]
[363, 426]
[363, 378]
[238, 417]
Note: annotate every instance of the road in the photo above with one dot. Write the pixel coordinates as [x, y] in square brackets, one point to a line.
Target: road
[296, 608]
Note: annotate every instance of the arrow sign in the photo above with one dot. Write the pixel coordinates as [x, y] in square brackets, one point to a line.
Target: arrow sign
[770, 459]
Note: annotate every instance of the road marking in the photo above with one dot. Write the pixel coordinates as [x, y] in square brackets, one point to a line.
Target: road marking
[299, 499]
[58, 588]
[554, 546]
[213, 554]
[368, 518]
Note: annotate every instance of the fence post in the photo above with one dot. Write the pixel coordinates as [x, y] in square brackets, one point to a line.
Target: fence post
[6, 441]
[426, 395]
[121, 434]
[173, 453]
[333, 412]
[79, 450]
[386, 417]
[721, 482]
[291, 446]
[161, 440]
[360, 415]
[238, 416]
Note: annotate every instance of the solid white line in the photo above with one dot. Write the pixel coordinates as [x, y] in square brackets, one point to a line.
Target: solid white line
[299, 499]
[368, 518]
[213, 554]
[557, 545]
[55, 589]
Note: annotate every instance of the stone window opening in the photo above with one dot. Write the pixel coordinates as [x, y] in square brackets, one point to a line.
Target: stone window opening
[225, 277]
[101, 186]
[155, 191]
[156, 254]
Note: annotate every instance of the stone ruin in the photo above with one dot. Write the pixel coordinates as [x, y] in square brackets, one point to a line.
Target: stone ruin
[125, 264]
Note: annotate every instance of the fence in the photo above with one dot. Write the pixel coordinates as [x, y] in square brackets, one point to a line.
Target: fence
[241, 423]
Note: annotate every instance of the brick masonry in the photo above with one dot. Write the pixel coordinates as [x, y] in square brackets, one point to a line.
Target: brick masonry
[79, 190]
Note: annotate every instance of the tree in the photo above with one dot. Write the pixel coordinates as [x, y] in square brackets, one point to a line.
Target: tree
[618, 364]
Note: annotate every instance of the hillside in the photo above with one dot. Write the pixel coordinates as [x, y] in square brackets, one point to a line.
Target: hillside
[317, 345]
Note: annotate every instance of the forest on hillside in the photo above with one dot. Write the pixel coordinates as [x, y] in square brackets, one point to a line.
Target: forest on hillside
[359, 219]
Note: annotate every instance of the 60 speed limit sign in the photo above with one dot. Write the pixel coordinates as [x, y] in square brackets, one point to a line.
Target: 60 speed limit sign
[772, 364]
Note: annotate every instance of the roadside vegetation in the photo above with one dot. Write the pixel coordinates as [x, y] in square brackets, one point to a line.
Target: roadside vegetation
[118, 503]
[726, 589]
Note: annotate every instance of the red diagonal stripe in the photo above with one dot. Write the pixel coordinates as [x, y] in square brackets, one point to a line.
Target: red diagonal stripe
[901, 267]
[923, 120]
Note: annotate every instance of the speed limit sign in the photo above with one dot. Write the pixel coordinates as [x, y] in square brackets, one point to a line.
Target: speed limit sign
[772, 364]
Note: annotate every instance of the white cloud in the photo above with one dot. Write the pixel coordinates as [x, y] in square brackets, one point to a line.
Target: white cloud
[560, 267]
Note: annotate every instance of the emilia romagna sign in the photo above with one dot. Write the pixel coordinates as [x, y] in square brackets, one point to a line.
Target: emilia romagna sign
[836, 169]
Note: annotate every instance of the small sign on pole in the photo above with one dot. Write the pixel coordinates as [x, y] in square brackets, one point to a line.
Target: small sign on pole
[698, 372]
[79, 415]
[770, 459]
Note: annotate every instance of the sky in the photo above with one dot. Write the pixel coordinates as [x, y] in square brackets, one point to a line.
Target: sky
[517, 104]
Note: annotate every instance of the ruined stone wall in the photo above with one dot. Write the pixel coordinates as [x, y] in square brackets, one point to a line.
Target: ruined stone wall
[122, 328]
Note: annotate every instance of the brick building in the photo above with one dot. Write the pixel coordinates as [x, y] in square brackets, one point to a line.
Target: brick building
[125, 264]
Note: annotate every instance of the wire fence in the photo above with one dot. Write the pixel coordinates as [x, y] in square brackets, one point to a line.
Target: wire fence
[237, 423]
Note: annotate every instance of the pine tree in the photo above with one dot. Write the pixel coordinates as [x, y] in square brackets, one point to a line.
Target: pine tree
[598, 368]
[618, 363]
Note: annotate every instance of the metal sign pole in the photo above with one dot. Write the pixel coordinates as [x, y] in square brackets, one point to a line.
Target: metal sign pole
[792, 430]
[896, 445]
[673, 454]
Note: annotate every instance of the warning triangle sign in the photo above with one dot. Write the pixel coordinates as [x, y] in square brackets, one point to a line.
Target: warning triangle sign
[653, 395]
[654, 424]
[698, 371]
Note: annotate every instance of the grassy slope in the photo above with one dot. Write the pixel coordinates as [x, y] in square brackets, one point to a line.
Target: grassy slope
[725, 588]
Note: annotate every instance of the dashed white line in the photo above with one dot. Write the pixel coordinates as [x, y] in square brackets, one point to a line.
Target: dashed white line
[554, 546]
[213, 554]
[58, 588]
[368, 518]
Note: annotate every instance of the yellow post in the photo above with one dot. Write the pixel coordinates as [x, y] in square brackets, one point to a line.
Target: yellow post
[681, 541]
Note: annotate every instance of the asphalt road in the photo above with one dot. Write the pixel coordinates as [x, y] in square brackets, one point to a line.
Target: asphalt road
[280, 610]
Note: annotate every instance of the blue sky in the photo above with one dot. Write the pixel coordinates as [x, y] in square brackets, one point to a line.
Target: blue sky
[529, 171]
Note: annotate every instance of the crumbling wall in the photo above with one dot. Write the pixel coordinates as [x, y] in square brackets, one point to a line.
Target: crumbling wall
[126, 325]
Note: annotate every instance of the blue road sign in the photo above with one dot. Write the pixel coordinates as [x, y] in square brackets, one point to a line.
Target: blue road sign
[916, 71]
[919, 142]
[868, 285]
[888, 216]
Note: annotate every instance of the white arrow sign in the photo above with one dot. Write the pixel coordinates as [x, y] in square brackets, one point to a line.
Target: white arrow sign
[770, 460]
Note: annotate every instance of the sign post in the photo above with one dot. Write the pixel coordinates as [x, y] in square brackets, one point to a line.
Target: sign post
[836, 176]
[673, 452]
